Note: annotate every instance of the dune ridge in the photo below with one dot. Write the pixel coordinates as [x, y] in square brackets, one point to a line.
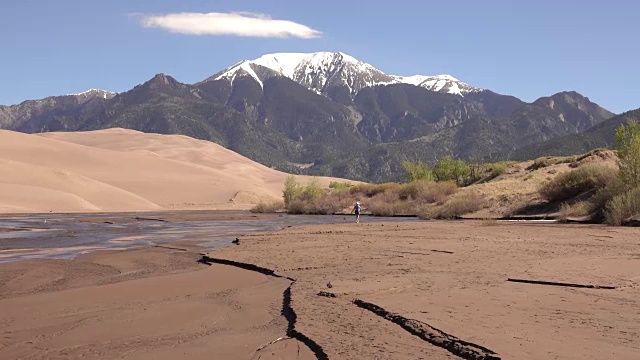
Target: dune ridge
[125, 170]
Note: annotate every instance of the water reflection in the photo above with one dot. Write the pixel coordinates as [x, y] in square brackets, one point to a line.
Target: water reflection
[53, 236]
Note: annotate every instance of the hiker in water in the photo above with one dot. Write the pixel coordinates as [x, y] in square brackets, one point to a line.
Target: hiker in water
[356, 209]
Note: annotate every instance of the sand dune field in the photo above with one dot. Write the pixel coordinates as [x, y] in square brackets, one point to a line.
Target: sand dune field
[125, 170]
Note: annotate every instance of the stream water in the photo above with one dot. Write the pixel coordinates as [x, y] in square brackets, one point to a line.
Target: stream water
[56, 236]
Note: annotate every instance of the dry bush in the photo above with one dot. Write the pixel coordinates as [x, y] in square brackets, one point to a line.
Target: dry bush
[323, 205]
[297, 206]
[514, 205]
[427, 191]
[370, 190]
[341, 195]
[457, 206]
[613, 188]
[384, 208]
[387, 204]
[572, 183]
[268, 207]
[580, 208]
[622, 207]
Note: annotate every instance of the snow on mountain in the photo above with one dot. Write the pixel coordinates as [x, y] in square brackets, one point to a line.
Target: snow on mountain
[439, 83]
[321, 70]
[95, 93]
[317, 71]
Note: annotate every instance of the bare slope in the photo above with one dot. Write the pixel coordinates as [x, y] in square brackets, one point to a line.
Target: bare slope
[124, 170]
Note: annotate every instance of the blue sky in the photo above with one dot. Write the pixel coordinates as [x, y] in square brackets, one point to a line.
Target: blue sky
[527, 50]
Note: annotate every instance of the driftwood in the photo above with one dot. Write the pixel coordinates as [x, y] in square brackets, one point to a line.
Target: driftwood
[326, 294]
[443, 251]
[149, 219]
[552, 283]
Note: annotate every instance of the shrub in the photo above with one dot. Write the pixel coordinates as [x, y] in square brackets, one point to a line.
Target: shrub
[311, 191]
[389, 204]
[291, 190]
[497, 169]
[370, 190]
[457, 206]
[569, 184]
[323, 205]
[613, 188]
[623, 207]
[449, 169]
[426, 191]
[339, 185]
[580, 208]
[270, 207]
[417, 171]
[628, 146]
[380, 208]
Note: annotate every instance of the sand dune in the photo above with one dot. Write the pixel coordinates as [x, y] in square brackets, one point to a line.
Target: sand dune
[125, 170]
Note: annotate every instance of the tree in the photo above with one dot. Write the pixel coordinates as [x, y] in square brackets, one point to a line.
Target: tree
[417, 171]
[291, 190]
[628, 146]
[450, 169]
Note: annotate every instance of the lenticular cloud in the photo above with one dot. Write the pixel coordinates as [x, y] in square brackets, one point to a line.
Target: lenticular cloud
[236, 24]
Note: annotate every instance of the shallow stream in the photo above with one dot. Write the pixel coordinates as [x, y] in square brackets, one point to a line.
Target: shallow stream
[56, 236]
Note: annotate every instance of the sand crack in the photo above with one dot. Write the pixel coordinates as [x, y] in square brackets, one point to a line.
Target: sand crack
[287, 310]
[428, 333]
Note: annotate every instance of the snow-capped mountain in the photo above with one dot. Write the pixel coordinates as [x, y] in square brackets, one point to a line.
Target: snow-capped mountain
[439, 83]
[92, 94]
[322, 70]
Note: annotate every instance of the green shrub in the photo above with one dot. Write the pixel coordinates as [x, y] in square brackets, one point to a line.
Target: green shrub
[291, 190]
[622, 207]
[339, 185]
[417, 171]
[628, 146]
[457, 206]
[449, 169]
[497, 169]
[268, 207]
[311, 191]
[572, 183]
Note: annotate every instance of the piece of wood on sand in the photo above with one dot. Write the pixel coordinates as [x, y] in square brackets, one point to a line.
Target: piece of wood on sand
[553, 283]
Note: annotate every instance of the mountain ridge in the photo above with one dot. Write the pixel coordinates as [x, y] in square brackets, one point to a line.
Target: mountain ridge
[321, 120]
[320, 70]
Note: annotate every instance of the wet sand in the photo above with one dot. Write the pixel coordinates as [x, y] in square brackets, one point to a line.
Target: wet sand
[452, 277]
[49, 236]
[411, 290]
[141, 304]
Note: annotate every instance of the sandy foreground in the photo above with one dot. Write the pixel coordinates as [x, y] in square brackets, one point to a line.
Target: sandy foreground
[416, 290]
[126, 170]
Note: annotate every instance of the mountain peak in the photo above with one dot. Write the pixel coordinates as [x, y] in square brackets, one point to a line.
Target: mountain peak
[162, 80]
[319, 71]
[91, 93]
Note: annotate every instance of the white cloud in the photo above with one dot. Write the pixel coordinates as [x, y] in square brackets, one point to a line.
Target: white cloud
[236, 23]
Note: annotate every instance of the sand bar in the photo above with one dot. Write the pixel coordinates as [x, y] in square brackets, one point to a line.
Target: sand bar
[412, 290]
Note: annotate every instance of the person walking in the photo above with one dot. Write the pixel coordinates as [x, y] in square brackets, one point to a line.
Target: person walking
[356, 210]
